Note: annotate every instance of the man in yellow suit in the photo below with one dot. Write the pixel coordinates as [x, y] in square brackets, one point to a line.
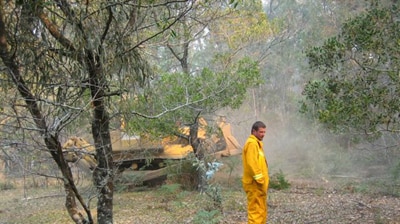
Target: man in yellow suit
[255, 175]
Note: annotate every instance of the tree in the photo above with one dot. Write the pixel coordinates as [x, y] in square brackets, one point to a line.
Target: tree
[68, 63]
[359, 87]
[200, 88]
[63, 58]
[300, 24]
[178, 100]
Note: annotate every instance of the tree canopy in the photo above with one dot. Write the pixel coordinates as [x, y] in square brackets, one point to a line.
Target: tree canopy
[72, 65]
[359, 74]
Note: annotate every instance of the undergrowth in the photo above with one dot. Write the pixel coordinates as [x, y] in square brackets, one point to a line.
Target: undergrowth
[278, 181]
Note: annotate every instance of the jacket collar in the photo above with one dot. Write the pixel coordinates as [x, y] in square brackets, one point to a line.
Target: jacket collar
[254, 138]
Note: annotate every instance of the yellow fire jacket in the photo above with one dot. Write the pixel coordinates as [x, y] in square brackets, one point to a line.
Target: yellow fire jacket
[255, 165]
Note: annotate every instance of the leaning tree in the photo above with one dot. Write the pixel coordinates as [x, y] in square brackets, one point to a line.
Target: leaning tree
[66, 59]
[66, 64]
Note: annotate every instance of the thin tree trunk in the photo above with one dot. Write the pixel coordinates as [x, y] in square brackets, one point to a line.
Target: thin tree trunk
[51, 139]
[199, 152]
[71, 205]
[103, 174]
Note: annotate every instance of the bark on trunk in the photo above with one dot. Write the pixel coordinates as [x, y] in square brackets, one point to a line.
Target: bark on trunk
[72, 207]
[199, 152]
[51, 139]
[71, 191]
[103, 174]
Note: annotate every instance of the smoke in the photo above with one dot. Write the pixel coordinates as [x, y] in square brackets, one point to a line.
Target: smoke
[303, 149]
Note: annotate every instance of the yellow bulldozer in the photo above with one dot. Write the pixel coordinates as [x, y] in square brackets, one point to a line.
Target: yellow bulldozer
[140, 153]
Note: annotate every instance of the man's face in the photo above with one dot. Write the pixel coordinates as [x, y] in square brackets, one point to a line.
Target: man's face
[260, 133]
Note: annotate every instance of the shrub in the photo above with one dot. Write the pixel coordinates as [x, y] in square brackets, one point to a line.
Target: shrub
[214, 193]
[207, 217]
[169, 192]
[278, 181]
[127, 180]
[184, 173]
[6, 186]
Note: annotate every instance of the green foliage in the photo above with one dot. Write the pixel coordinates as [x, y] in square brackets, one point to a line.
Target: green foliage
[183, 173]
[373, 186]
[169, 188]
[215, 194]
[396, 172]
[278, 181]
[232, 163]
[6, 186]
[126, 179]
[207, 217]
[361, 83]
[88, 71]
[187, 174]
[169, 191]
[179, 97]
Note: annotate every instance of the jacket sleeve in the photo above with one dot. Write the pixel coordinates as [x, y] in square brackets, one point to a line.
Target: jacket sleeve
[253, 162]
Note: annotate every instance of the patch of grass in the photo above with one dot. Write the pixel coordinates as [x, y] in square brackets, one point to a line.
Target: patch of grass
[319, 191]
[231, 202]
[215, 194]
[384, 187]
[169, 191]
[278, 181]
[48, 216]
[207, 217]
[7, 186]
[372, 186]
[378, 218]
[362, 188]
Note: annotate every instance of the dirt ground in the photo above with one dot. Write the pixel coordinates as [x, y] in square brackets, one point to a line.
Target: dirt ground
[312, 203]
[304, 202]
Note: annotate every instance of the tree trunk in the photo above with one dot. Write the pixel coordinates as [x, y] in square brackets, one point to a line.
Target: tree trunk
[71, 191]
[199, 152]
[72, 207]
[51, 139]
[103, 174]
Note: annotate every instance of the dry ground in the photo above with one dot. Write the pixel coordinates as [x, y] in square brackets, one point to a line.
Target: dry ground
[302, 203]
[305, 201]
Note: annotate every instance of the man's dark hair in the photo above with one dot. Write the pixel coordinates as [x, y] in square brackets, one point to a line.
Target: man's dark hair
[257, 125]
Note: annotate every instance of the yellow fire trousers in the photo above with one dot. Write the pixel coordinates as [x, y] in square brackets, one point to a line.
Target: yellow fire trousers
[257, 210]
